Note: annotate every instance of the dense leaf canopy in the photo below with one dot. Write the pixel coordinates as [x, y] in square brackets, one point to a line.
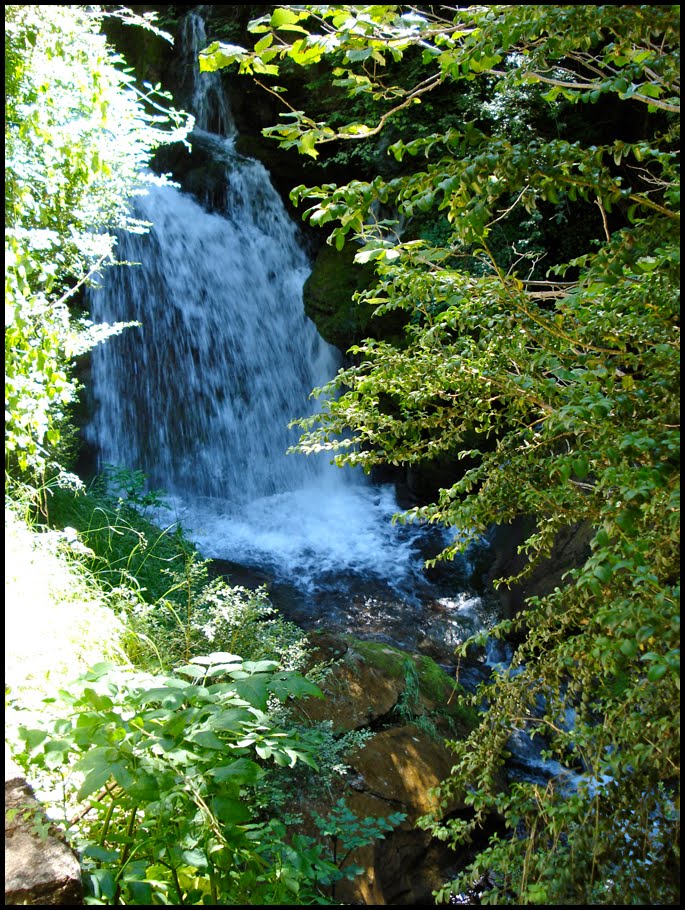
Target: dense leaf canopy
[560, 386]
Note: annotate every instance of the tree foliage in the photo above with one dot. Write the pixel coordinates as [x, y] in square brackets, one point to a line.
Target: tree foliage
[79, 137]
[562, 391]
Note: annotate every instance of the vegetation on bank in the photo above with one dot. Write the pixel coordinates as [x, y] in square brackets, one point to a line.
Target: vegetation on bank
[526, 229]
[534, 250]
[158, 724]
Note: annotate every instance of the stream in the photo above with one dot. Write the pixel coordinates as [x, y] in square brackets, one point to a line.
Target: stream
[200, 394]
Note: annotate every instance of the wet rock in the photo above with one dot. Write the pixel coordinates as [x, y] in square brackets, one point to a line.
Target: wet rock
[358, 693]
[328, 300]
[571, 549]
[397, 771]
[401, 766]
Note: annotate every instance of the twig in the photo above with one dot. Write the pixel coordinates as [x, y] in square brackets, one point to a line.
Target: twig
[604, 219]
[108, 790]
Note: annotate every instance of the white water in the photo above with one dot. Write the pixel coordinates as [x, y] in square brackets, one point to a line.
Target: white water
[200, 395]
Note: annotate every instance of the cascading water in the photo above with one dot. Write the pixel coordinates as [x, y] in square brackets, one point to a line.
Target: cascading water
[199, 396]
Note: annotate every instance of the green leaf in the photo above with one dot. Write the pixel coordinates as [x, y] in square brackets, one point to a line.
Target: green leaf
[629, 648]
[603, 572]
[230, 719]
[146, 787]
[207, 739]
[283, 16]
[95, 780]
[193, 672]
[171, 700]
[216, 657]
[656, 672]
[98, 757]
[242, 771]
[230, 811]
[307, 144]
[260, 666]
[254, 689]
[122, 775]
[101, 854]
[580, 468]
[218, 56]
[264, 43]
[293, 685]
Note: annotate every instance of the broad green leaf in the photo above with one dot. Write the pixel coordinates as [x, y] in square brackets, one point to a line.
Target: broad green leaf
[242, 771]
[283, 16]
[193, 672]
[95, 780]
[207, 739]
[217, 657]
[254, 689]
[230, 811]
[290, 684]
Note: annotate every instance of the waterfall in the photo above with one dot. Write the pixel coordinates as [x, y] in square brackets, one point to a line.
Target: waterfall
[207, 98]
[199, 396]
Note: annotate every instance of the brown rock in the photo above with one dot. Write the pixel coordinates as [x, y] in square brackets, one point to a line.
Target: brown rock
[401, 766]
[40, 868]
[377, 686]
[395, 772]
[357, 694]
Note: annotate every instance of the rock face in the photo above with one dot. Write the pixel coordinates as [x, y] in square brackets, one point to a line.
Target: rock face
[571, 549]
[409, 705]
[40, 869]
[396, 772]
[328, 302]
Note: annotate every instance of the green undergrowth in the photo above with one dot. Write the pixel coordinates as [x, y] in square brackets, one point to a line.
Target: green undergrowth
[174, 607]
[127, 548]
[149, 704]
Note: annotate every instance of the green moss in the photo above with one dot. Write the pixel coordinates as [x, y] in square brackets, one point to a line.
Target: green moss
[386, 658]
[435, 686]
[328, 300]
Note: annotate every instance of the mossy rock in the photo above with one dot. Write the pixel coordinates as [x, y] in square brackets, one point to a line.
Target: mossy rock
[328, 300]
[373, 684]
[438, 695]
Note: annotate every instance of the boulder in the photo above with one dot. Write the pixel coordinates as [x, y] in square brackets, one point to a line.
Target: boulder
[328, 300]
[409, 704]
[571, 549]
[40, 868]
[401, 766]
[373, 684]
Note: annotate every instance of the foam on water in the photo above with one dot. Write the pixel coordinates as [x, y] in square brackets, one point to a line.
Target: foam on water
[306, 535]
